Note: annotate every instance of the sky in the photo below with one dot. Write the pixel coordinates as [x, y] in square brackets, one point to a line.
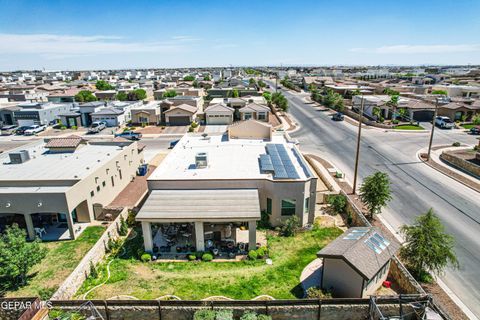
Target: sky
[84, 34]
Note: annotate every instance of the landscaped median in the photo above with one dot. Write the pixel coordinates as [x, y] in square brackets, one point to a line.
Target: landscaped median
[409, 127]
[61, 259]
[130, 277]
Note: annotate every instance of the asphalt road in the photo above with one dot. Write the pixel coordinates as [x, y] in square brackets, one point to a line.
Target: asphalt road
[415, 186]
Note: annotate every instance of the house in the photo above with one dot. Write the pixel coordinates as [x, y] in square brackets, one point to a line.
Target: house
[87, 109]
[39, 113]
[356, 263]
[239, 103]
[255, 111]
[210, 189]
[146, 114]
[167, 104]
[219, 114]
[71, 119]
[456, 111]
[105, 94]
[61, 185]
[112, 116]
[180, 115]
[67, 95]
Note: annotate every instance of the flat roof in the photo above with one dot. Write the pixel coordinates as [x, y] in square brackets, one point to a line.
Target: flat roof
[191, 205]
[56, 166]
[227, 159]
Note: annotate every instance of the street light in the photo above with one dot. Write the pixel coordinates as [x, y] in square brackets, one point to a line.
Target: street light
[433, 129]
[357, 156]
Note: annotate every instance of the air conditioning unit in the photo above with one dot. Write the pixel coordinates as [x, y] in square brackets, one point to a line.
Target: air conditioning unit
[201, 160]
[19, 157]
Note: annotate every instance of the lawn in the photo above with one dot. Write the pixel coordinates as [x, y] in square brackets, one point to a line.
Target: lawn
[61, 259]
[468, 126]
[198, 280]
[409, 127]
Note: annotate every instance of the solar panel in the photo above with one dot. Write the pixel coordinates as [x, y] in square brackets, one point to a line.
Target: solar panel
[266, 163]
[283, 166]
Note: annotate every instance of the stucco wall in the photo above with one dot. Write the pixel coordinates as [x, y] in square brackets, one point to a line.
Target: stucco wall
[461, 163]
[339, 277]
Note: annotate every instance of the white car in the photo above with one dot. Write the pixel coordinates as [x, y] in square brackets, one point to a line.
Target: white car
[444, 122]
[34, 130]
[97, 126]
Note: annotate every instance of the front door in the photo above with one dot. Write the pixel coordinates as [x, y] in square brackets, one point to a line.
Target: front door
[74, 215]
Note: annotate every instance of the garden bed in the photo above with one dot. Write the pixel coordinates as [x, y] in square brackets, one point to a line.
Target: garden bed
[200, 280]
[61, 259]
[409, 127]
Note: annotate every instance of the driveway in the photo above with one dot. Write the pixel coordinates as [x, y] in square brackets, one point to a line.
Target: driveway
[175, 130]
[215, 128]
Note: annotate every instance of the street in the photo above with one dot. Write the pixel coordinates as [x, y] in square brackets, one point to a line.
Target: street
[415, 186]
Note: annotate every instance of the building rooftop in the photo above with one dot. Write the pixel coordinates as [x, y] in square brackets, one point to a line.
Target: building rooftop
[45, 166]
[226, 159]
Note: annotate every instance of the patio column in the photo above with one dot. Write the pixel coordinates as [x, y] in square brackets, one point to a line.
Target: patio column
[199, 236]
[252, 235]
[70, 226]
[147, 236]
[30, 229]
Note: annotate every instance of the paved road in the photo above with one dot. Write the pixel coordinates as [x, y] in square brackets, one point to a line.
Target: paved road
[416, 187]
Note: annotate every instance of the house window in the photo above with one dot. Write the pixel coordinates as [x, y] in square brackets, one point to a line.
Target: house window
[98, 188]
[288, 207]
[269, 205]
[247, 116]
[103, 183]
[120, 174]
[92, 193]
[306, 205]
[113, 181]
[262, 116]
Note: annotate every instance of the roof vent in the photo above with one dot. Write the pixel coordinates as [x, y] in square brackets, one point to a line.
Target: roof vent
[201, 160]
[19, 157]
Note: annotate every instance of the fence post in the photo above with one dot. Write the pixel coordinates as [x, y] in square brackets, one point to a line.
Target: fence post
[107, 313]
[266, 307]
[159, 309]
[319, 309]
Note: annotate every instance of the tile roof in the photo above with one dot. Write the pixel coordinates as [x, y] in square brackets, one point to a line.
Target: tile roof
[185, 107]
[67, 142]
[254, 107]
[218, 107]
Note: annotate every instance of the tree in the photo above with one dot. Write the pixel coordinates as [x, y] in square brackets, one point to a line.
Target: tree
[391, 92]
[169, 94]
[137, 94]
[427, 246]
[104, 85]
[121, 96]
[234, 93]
[403, 113]
[377, 112]
[375, 192]
[188, 78]
[440, 92]
[252, 82]
[195, 83]
[207, 78]
[393, 103]
[85, 96]
[261, 84]
[268, 96]
[17, 257]
[280, 101]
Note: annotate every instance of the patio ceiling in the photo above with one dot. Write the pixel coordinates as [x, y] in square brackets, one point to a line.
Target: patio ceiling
[201, 205]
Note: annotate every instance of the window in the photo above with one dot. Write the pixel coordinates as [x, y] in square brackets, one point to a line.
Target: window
[288, 207]
[120, 174]
[92, 193]
[269, 205]
[247, 116]
[306, 205]
[113, 181]
[262, 116]
[98, 188]
[103, 184]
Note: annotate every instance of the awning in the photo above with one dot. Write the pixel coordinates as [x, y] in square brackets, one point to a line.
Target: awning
[211, 205]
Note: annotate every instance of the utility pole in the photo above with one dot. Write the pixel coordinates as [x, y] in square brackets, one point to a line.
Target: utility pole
[276, 83]
[433, 129]
[357, 156]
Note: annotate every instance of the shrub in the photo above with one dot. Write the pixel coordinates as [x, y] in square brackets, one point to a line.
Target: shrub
[262, 252]
[46, 293]
[191, 129]
[264, 222]
[456, 144]
[317, 293]
[263, 317]
[224, 314]
[93, 271]
[194, 124]
[63, 127]
[146, 257]
[290, 226]
[199, 254]
[338, 202]
[131, 218]
[252, 255]
[191, 257]
[207, 257]
[251, 315]
[204, 314]
[395, 121]
[123, 227]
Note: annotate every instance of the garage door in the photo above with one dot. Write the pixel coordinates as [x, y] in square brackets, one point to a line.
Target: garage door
[423, 115]
[179, 120]
[25, 122]
[218, 119]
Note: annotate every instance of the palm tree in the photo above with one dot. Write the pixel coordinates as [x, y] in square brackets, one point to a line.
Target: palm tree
[393, 103]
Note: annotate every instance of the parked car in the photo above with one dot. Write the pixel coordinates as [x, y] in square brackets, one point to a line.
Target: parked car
[173, 143]
[34, 130]
[338, 116]
[475, 130]
[21, 130]
[130, 135]
[97, 126]
[8, 130]
[444, 122]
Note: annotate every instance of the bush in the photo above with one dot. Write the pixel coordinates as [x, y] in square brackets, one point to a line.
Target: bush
[264, 222]
[224, 314]
[395, 121]
[191, 257]
[338, 202]
[199, 254]
[63, 128]
[251, 315]
[93, 271]
[263, 317]
[190, 129]
[317, 293]
[204, 314]
[262, 252]
[456, 144]
[146, 257]
[290, 226]
[207, 257]
[131, 218]
[46, 293]
[194, 124]
[252, 255]
[123, 230]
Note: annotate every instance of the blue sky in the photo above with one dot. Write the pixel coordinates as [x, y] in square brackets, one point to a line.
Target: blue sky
[123, 34]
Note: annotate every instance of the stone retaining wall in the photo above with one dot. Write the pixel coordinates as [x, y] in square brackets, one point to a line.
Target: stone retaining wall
[70, 286]
[460, 163]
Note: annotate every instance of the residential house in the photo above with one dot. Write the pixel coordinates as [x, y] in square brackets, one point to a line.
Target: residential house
[146, 114]
[55, 188]
[456, 111]
[219, 114]
[181, 115]
[255, 111]
[87, 109]
[210, 189]
[112, 116]
[356, 263]
[39, 113]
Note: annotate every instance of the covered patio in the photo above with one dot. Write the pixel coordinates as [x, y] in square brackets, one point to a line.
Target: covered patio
[179, 222]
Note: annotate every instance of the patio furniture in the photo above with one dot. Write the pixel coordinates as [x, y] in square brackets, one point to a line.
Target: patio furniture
[40, 231]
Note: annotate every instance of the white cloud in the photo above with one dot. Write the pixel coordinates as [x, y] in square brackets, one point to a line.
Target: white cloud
[69, 45]
[185, 38]
[416, 49]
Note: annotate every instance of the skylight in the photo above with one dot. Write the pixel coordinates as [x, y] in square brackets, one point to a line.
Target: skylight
[355, 234]
[377, 243]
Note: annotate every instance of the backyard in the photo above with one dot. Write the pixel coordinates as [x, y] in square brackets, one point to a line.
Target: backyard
[61, 259]
[199, 280]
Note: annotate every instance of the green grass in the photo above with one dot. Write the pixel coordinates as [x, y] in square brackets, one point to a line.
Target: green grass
[198, 280]
[468, 126]
[61, 259]
[409, 127]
